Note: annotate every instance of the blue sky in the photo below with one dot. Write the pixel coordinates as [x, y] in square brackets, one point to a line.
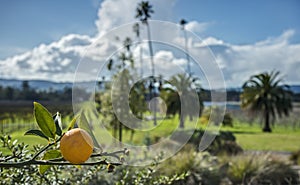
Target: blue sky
[241, 21]
[32, 30]
[25, 24]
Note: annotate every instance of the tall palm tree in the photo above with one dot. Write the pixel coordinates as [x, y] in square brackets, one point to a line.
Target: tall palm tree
[263, 93]
[181, 100]
[136, 30]
[143, 13]
[123, 68]
[183, 23]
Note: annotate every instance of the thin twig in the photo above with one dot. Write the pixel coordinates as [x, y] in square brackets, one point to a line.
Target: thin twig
[112, 154]
[62, 161]
[46, 147]
[43, 162]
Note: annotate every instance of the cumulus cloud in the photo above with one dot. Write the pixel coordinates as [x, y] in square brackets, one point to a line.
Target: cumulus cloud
[58, 61]
[47, 62]
[113, 13]
[197, 27]
[238, 62]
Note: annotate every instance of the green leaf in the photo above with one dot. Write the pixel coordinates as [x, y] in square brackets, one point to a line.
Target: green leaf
[44, 120]
[57, 121]
[36, 133]
[72, 123]
[50, 154]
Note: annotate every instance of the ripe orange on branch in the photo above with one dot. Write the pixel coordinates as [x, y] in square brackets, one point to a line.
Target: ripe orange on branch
[76, 146]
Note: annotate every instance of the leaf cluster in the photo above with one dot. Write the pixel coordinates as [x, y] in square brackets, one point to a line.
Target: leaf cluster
[49, 156]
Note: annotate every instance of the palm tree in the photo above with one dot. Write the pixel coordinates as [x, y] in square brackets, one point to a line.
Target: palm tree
[183, 23]
[263, 93]
[143, 12]
[122, 68]
[181, 100]
[136, 30]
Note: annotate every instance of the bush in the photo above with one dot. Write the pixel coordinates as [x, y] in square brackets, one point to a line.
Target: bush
[228, 120]
[295, 157]
[205, 118]
[275, 172]
[187, 167]
[260, 169]
[200, 167]
[224, 143]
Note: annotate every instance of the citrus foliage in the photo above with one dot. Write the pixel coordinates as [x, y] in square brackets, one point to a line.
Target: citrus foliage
[23, 165]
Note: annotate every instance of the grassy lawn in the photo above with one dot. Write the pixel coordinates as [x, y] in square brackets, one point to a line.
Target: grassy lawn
[250, 137]
[29, 140]
[273, 141]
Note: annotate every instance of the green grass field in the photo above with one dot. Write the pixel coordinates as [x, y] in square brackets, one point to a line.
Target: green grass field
[250, 137]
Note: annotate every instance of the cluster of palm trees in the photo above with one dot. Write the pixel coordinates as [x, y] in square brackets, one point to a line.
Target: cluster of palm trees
[182, 82]
[262, 93]
[143, 13]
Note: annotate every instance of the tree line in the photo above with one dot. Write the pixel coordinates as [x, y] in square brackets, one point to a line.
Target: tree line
[28, 93]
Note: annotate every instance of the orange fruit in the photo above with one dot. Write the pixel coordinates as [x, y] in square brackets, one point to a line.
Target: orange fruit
[76, 146]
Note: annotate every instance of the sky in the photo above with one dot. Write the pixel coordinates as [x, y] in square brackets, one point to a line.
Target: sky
[46, 39]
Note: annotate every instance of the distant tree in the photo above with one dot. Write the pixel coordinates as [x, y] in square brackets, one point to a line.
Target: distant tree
[27, 93]
[1, 92]
[137, 99]
[136, 30]
[9, 93]
[25, 85]
[121, 66]
[179, 99]
[264, 94]
[143, 13]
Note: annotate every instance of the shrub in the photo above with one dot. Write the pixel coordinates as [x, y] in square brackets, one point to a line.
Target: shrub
[260, 169]
[205, 118]
[200, 167]
[228, 120]
[224, 143]
[275, 172]
[295, 157]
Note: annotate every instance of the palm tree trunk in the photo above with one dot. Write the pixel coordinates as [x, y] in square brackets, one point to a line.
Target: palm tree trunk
[153, 72]
[141, 57]
[181, 125]
[131, 135]
[120, 133]
[267, 122]
[150, 49]
[187, 53]
[115, 130]
[122, 110]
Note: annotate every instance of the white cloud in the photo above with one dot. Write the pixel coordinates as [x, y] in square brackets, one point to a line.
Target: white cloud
[58, 61]
[197, 27]
[48, 62]
[241, 61]
[114, 13]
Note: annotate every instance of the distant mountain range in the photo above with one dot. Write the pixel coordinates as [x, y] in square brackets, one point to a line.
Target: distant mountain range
[42, 85]
[295, 88]
[57, 86]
